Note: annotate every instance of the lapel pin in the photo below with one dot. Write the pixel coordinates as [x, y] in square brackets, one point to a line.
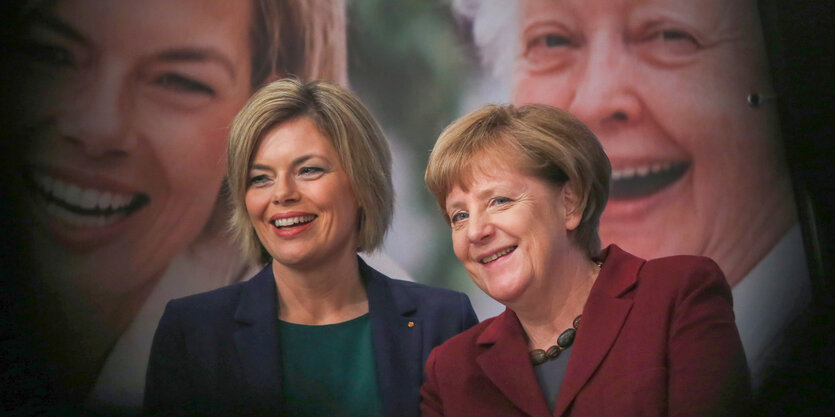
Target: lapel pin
[411, 324]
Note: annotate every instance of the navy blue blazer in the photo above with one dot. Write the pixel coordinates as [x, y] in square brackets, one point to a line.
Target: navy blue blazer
[217, 353]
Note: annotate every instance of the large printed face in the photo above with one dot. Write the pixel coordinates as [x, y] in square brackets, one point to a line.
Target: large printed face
[129, 105]
[663, 84]
[299, 197]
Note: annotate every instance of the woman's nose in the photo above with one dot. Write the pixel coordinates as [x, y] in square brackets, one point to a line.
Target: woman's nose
[97, 117]
[479, 228]
[606, 92]
[285, 191]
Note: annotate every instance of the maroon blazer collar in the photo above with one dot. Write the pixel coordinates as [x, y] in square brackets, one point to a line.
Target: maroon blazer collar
[503, 348]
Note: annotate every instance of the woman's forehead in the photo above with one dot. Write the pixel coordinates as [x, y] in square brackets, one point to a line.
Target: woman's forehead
[485, 165]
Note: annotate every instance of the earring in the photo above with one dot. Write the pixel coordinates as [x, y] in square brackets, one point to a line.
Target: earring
[756, 100]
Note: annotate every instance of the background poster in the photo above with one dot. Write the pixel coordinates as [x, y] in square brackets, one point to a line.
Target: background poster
[125, 123]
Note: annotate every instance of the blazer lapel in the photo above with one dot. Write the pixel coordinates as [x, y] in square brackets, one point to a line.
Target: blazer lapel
[505, 360]
[603, 317]
[256, 339]
[397, 341]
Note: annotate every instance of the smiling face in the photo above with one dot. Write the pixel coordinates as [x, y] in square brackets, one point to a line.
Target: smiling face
[129, 105]
[299, 198]
[510, 230]
[663, 85]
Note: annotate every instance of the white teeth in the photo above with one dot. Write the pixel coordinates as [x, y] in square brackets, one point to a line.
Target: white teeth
[293, 220]
[104, 200]
[641, 171]
[89, 198]
[498, 255]
[66, 200]
[84, 198]
[79, 220]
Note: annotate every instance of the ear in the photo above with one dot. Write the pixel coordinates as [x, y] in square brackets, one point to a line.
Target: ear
[571, 205]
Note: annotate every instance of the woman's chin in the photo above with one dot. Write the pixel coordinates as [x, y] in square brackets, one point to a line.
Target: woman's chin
[505, 292]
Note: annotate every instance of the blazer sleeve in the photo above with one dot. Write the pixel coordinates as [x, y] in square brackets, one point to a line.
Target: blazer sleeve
[708, 374]
[167, 385]
[430, 404]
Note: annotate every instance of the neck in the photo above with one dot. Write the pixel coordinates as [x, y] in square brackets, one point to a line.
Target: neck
[325, 294]
[551, 310]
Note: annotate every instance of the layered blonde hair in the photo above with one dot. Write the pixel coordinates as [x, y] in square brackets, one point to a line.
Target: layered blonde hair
[539, 140]
[350, 128]
[305, 39]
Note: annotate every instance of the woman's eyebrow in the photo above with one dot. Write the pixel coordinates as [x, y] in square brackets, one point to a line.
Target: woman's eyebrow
[261, 167]
[198, 54]
[296, 162]
[45, 20]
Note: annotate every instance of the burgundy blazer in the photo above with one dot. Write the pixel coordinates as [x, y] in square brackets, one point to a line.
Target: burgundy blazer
[657, 338]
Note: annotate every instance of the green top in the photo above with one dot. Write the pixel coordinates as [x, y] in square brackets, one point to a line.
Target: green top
[329, 370]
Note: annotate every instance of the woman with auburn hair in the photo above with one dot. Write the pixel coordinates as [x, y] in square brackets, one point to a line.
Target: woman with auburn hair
[317, 331]
[586, 331]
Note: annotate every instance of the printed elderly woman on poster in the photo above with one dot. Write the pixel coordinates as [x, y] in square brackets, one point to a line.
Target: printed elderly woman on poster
[680, 97]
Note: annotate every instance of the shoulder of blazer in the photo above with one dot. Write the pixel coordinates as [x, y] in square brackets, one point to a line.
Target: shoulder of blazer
[683, 273]
[240, 301]
[411, 297]
[623, 272]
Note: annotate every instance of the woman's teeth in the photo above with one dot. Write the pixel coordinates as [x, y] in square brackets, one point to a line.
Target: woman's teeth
[84, 207]
[641, 171]
[644, 180]
[293, 221]
[83, 198]
[497, 255]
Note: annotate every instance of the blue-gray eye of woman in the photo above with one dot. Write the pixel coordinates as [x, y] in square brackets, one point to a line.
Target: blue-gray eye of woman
[47, 54]
[500, 200]
[461, 215]
[182, 83]
[258, 179]
[310, 170]
[552, 40]
[675, 35]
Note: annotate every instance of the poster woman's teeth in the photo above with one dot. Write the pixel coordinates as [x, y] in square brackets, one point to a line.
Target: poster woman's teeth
[644, 180]
[83, 206]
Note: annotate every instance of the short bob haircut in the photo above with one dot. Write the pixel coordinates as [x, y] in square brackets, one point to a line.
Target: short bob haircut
[340, 117]
[540, 140]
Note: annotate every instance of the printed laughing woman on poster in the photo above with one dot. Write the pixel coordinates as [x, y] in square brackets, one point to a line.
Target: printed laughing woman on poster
[679, 94]
[317, 331]
[586, 331]
[128, 105]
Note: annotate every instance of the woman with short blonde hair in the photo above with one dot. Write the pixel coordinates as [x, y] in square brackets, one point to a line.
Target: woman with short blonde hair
[317, 331]
[362, 148]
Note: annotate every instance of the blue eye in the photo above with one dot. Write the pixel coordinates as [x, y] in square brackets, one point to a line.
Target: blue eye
[48, 54]
[675, 35]
[183, 83]
[310, 171]
[499, 200]
[552, 40]
[258, 180]
[459, 216]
